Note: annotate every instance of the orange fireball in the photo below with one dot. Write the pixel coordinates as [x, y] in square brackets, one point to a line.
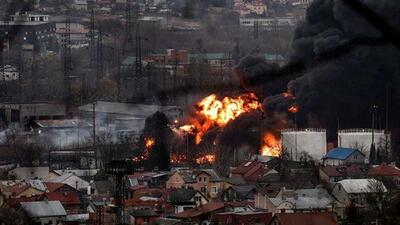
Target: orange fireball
[271, 146]
[212, 112]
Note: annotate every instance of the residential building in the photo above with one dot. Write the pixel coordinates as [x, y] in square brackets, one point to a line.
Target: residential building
[184, 199]
[243, 218]
[44, 212]
[308, 218]
[27, 173]
[9, 73]
[357, 190]
[300, 200]
[73, 181]
[203, 214]
[343, 156]
[251, 171]
[267, 24]
[239, 193]
[78, 34]
[79, 4]
[333, 174]
[69, 200]
[142, 216]
[207, 181]
[388, 174]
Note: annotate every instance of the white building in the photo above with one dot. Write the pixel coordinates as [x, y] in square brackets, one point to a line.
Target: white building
[269, 24]
[361, 139]
[311, 141]
[8, 73]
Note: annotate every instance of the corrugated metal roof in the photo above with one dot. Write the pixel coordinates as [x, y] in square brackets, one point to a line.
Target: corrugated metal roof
[44, 208]
[339, 153]
[304, 202]
[355, 186]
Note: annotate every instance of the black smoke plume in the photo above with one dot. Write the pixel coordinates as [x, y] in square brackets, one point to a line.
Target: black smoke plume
[342, 63]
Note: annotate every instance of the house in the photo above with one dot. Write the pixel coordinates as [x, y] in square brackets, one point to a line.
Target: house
[299, 200]
[79, 4]
[27, 173]
[69, 200]
[207, 181]
[58, 187]
[184, 199]
[343, 156]
[8, 73]
[142, 216]
[333, 174]
[20, 189]
[388, 174]
[243, 218]
[357, 190]
[251, 171]
[202, 214]
[44, 212]
[308, 218]
[73, 181]
[239, 193]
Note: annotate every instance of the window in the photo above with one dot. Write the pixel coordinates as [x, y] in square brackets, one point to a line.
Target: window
[203, 189]
[197, 198]
[213, 189]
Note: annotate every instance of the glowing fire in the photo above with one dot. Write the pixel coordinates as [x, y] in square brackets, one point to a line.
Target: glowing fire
[293, 109]
[177, 158]
[271, 146]
[209, 158]
[288, 94]
[213, 112]
[149, 142]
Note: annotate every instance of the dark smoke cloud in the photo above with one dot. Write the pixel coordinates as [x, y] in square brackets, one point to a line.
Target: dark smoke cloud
[355, 65]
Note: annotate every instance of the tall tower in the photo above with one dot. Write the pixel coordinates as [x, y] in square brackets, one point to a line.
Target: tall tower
[92, 41]
[67, 57]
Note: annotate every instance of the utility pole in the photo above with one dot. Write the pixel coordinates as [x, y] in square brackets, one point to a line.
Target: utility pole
[94, 131]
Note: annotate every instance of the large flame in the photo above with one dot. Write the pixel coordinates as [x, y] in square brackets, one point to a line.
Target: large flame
[213, 112]
[271, 145]
[149, 142]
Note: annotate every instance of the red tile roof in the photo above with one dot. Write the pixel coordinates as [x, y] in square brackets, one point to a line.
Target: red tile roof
[312, 218]
[347, 171]
[204, 209]
[384, 170]
[53, 186]
[13, 202]
[19, 187]
[67, 198]
[245, 166]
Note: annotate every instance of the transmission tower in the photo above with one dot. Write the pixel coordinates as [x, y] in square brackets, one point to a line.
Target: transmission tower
[92, 42]
[100, 67]
[255, 29]
[67, 57]
[138, 50]
[128, 21]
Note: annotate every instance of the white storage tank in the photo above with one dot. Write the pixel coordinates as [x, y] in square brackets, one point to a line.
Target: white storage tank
[311, 141]
[361, 139]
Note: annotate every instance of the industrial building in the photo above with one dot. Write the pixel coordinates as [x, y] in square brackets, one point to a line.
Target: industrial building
[297, 142]
[362, 139]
